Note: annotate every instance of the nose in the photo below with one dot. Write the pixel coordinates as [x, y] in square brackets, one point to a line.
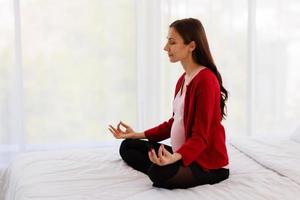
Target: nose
[166, 47]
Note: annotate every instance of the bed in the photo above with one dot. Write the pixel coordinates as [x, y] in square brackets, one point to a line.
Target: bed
[260, 170]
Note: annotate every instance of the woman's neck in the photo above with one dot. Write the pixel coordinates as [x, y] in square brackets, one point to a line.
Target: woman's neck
[189, 66]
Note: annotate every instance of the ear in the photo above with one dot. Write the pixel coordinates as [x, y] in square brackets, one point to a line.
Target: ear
[192, 46]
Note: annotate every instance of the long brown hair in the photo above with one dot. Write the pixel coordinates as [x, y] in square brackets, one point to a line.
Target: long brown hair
[191, 29]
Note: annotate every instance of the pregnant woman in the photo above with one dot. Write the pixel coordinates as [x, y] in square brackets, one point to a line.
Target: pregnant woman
[198, 153]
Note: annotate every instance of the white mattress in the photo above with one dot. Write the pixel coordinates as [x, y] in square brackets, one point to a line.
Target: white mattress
[282, 156]
[258, 171]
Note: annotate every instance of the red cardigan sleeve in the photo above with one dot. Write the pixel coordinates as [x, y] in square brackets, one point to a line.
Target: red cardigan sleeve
[160, 132]
[205, 93]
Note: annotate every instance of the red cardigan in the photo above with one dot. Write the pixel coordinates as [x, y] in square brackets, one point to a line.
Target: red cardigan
[205, 135]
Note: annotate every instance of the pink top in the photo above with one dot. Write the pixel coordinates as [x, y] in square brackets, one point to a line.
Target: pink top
[177, 130]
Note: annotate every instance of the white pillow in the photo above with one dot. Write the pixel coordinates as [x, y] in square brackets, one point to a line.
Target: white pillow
[296, 135]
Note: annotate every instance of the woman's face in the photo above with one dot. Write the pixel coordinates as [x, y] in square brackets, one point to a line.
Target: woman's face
[177, 50]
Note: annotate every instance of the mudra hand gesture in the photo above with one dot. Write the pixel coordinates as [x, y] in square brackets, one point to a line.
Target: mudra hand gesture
[163, 157]
[122, 134]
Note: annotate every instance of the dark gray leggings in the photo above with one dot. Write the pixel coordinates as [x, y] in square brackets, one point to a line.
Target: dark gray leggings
[135, 154]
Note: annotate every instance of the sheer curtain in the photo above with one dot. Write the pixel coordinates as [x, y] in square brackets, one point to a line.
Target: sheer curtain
[277, 69]
[68, 69]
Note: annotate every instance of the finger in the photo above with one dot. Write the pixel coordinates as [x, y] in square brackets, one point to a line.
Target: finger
[166, 152]
[110, 128]
[114, 134]
[118, 127]
[160, 152]
[150, 156]
[113, 129]
[154, 157]
[164, 161]
[123, 124]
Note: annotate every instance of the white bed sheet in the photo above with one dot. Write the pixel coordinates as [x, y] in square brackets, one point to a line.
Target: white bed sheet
[101, 174]
[281, 155]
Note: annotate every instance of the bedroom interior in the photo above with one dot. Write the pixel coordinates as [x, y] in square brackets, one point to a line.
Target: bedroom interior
[68, 69]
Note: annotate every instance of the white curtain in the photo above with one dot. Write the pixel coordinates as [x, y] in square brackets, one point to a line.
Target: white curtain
[70, 68]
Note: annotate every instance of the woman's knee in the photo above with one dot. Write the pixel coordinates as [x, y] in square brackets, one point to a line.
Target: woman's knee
[221, 175]
[124, 147]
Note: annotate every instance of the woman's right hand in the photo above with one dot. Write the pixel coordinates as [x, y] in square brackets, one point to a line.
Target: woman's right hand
[118, 133]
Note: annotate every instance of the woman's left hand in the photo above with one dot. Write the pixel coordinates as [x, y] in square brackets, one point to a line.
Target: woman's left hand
[164, 157]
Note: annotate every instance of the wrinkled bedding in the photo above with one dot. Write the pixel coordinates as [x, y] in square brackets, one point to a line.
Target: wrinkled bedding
[260, 170]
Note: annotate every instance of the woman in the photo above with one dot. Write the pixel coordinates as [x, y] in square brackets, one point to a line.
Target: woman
[198, 153]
